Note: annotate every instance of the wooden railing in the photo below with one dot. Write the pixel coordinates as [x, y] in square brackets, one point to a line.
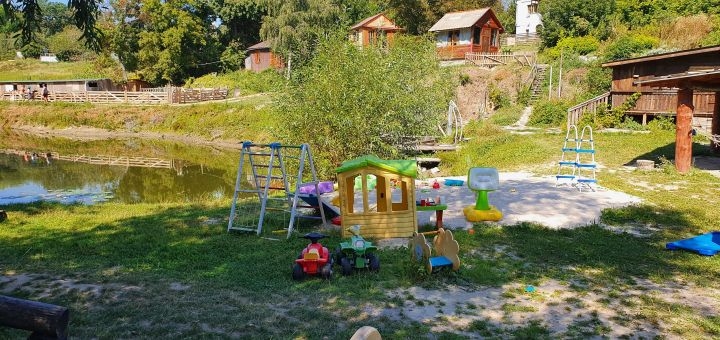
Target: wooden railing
[519, 39]
[494, 59]
[665, 103]
[165, 95]
[591, 105]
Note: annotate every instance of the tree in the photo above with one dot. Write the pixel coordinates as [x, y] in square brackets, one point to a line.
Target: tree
[574, 18]
[295, 27]
[55, 17]
[349, 101]
[85, 16]
[176, 41]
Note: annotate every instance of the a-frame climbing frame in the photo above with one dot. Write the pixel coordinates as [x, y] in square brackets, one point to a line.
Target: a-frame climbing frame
[268, 178]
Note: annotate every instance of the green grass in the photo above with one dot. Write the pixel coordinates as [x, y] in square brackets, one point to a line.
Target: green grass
[171, 270]
[31, 69]
[506, 116]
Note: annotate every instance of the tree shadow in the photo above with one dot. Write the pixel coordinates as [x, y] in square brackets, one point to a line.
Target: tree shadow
[668, 152]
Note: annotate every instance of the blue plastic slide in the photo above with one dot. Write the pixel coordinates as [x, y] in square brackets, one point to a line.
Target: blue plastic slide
[705, 244]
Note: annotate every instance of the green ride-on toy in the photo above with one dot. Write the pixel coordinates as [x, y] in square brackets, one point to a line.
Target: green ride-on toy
[357, 253]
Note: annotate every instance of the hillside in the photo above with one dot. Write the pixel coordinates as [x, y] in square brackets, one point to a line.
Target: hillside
[32, 69]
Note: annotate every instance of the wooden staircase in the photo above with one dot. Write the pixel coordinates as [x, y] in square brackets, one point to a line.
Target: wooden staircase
[537, 76]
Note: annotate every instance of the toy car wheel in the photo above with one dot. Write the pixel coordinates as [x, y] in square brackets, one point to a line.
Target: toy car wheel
[297, 272]
[326, 272]
[346, 266]
[374, 262]
[339, 255]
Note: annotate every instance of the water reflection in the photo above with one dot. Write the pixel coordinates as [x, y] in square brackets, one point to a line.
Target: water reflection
[27, 176]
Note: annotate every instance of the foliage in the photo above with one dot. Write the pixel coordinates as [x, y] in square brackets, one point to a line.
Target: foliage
[686, 32]
[464, 79]
[176, 43]
[574, 45]
[295, 28]
[598, 79]
[629, 45]
[506, 115]
[240, 21]
[507, 17]
[121, 29]
[550, 113]
[66, 45]
[661, 123]
[613, 117]
[246, 82]
[497, 96]
[351, 101]
[713, 38]
[574, 18]
[56, 17]
[417, 16]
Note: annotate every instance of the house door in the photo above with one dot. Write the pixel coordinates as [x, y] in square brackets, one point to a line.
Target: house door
[485, 44]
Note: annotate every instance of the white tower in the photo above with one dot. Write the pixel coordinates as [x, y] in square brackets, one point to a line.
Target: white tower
[527, 17]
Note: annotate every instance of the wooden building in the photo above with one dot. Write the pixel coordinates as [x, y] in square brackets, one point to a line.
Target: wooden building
[629, 76]
[376, 29]
[67, 85]
[468, 31]
[261, 58]
[389, 209]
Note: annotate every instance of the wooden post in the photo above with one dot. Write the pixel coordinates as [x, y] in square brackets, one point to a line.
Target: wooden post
[46, 321]
[715, 125]
[683, 135]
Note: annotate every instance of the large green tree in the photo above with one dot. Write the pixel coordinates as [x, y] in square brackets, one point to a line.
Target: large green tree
[177, 41]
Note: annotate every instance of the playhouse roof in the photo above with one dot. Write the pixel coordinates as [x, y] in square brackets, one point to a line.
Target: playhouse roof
[402, 167]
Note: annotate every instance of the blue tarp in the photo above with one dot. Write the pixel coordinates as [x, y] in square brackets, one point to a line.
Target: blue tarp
[705, 244]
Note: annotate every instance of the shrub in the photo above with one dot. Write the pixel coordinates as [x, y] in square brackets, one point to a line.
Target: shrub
[549, 113]
[351, 101]
[465, 79]
[661, 123]
[630, 45]
[574, 45]
[498, 97]
[247, 82]
[598, 79]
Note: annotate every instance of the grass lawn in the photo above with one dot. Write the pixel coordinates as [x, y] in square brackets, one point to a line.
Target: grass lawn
[171, 270]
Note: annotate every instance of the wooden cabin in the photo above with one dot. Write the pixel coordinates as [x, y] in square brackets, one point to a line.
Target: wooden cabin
[630, 76]
[261, 58]
[386, 211]
[468, 31]
[376, 29]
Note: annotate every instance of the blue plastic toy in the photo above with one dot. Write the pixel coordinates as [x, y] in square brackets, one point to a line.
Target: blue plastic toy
[705, 244]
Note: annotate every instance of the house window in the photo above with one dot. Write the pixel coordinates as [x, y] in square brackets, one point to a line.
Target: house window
[533, 7]
[494, 37]
[453, 37]
[476, 35]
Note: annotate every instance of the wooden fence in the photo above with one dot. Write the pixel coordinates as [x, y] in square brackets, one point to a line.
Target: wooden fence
[495, 59]
[163, 95]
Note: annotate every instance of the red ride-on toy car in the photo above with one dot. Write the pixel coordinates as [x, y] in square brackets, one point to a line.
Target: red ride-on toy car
[314, 259]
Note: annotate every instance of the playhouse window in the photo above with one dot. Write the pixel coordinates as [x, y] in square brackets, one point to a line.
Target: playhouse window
[399, 196]
[494, 37]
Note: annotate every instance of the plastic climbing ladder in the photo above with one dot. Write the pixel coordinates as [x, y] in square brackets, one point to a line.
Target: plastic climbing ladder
[268, 177]
[577, 164]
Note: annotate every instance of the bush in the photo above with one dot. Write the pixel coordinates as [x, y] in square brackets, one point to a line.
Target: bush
[350, 101]
[661, 123]
[598, 80]
[498, 97]
[549, 113]
[629, 46]
[574, 45]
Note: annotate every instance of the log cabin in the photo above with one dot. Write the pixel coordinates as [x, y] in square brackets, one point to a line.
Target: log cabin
[376, 29]
[468, 31]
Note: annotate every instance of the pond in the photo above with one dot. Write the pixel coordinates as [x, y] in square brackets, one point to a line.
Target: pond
[129, 171]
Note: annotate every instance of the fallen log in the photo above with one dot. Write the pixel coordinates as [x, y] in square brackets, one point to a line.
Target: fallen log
[46, 321]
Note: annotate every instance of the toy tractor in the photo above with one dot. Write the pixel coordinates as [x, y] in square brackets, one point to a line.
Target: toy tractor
[314, 259]
[357, 253]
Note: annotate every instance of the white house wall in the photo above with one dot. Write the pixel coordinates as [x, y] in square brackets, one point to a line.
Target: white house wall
[442, 38]
[526, 22]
